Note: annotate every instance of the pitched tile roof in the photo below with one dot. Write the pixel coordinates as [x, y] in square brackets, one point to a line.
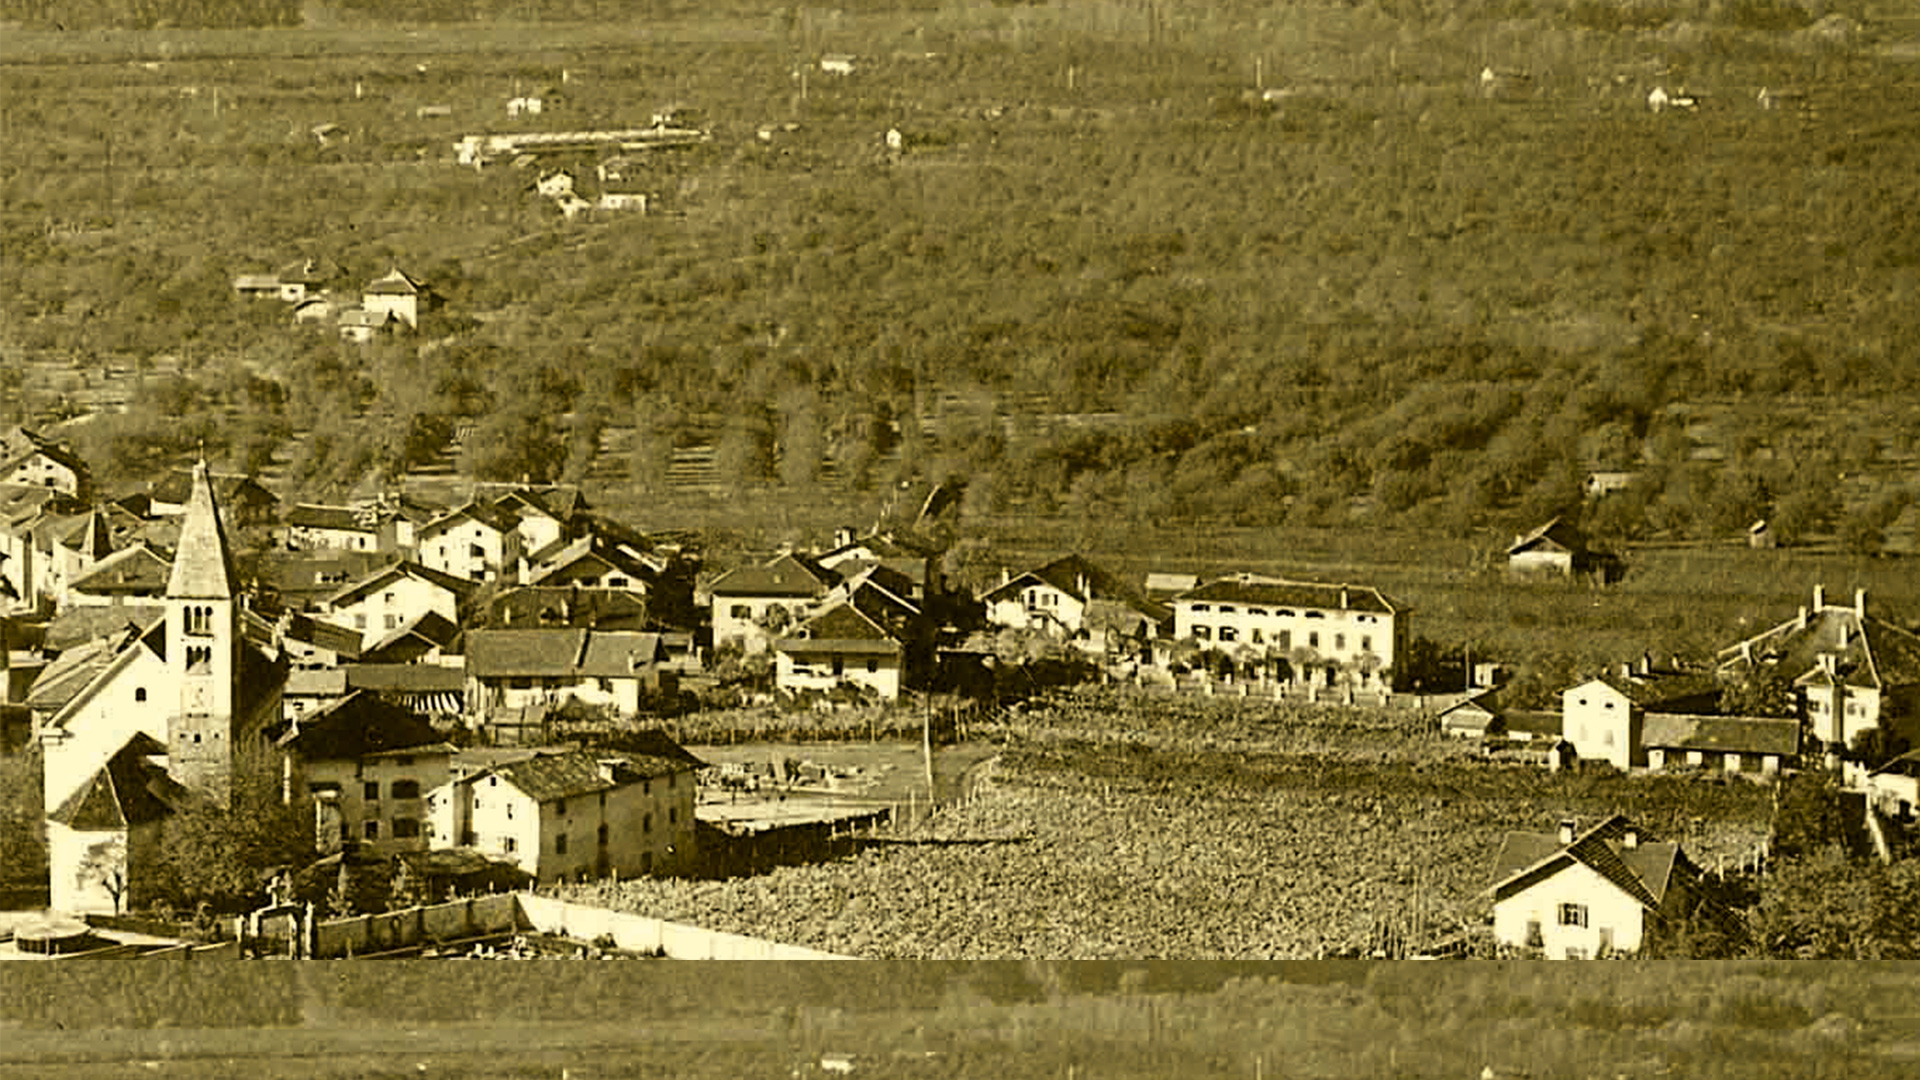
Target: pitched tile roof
[82, 623]
[1557, 534]
[525, 653]
[357, 725]
[1721, 734]
[1644, 871]
[406, 678]
[1073, 575]
[128, 790]
[394, 283]
[784, 575]
[424, 632]
[491, 516]
[1867, 652]
[610, 654]
[546, 777]
[132, 571]
[1281, 592]
[840, 629]
[1652, 689]
[347, 594]
[588, 551]
[609, 609]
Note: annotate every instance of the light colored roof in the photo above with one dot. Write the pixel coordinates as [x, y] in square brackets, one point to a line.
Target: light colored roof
[1281, 592]
[364, 319]
[498, 520]
[395, 283]
[202, 564]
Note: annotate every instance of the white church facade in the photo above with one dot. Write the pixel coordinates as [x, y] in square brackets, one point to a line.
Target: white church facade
[162, 724]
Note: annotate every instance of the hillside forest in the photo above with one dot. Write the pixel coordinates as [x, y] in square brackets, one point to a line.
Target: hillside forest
[1230, 263]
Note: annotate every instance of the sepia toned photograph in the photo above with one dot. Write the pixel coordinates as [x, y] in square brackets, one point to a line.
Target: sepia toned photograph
[1221, 539]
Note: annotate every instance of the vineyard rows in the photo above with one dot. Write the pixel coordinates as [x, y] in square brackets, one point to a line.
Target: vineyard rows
[1135, 846]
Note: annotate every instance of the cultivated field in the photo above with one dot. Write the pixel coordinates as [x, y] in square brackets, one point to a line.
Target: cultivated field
[1115, 827]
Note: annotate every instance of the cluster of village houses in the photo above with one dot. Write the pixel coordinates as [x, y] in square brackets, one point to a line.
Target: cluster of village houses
[147, 654]
[317, 291]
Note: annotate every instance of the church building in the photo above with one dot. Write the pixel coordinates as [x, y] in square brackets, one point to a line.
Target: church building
[167, 721]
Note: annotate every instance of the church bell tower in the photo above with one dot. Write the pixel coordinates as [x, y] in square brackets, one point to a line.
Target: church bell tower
[203, 647]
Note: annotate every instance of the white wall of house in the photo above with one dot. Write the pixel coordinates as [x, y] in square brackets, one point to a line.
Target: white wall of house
[649, 826]
[40, 470]
[398, 821]
[1542, 561]
[310, 537]
[137, 700]
[1611, 917]
[75, 888]
[619, 692]
[1039, 607]
[818, 671]
[382, 610]
[538, 531]
[405, 307]
[488, 814]
[1339, 636]
[649, 829]
[1602, 723]
[473, 550]
[737, 618]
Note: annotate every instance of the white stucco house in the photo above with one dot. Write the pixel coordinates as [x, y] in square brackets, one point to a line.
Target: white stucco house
[575, 815]
[1573, 895]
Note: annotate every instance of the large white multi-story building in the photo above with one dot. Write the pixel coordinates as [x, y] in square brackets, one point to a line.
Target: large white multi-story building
[1325, 634]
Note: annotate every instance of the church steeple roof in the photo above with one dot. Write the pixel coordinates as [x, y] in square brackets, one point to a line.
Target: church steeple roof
[202, 566]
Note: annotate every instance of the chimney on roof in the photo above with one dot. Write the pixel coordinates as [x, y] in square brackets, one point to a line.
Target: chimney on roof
[1343, 598]
[1080, 583]
[1566, 830]
[1746, 647]
[1626, 671]
[607, 767]
[1860, 603]
[1819, 597]
[1646, 663]
[1006, 576]
[842, 536]
[1631, 838]
[1802, 622]
[1843, 635]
